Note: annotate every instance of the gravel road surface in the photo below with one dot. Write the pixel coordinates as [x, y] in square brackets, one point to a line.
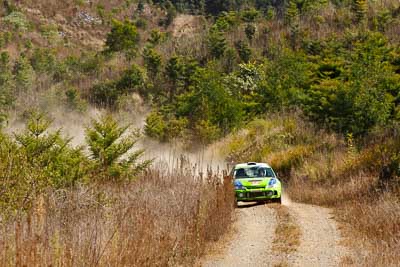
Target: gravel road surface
[251, 243]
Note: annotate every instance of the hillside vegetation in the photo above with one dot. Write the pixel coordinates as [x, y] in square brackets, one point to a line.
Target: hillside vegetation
[311, 86]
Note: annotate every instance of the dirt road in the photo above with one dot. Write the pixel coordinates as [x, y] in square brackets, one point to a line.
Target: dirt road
[252, 244]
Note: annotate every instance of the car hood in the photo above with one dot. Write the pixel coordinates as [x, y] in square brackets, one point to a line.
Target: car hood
[254, 182]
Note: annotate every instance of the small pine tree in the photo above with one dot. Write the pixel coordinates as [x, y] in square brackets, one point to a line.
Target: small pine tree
[243, 50]
[111, 151]
[122, 37]
[6, 86]
[216, 44]
[360, 8]
[60, 165]
[24, 73]
[175, 71]
[152, 61]
[250, 30]
[292, 13]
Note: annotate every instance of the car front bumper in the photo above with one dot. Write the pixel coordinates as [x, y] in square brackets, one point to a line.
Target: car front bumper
[257, 195]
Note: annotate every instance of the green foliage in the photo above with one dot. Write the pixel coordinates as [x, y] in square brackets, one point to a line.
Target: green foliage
[24, 73]
[226, 21]
[250, 30]
[108, 92]
[286, 80]
[74, 101]
[156, 37]
[111, 151]
[359, 96]
[360, 8]
[152, 61]
[43, 60]
[292, 13]
[163, 129]
[156, 126]
[60, 164]
[105, 94]
[209, 101]
[216, 44]
[141, 23]
[175, 72]
[5, 38]
[243, 50]
[6, 86]
[140, 6]
[250, 15]
[17, 21]
[133, 80]
[123, 37]
[171, 14]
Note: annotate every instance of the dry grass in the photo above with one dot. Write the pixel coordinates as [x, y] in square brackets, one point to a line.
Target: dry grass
[366, 206]
[287, 236]
[287, 233]
[158, 220]
[328, 170]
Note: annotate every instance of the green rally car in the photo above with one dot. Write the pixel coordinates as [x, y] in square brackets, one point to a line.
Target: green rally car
[256, 182]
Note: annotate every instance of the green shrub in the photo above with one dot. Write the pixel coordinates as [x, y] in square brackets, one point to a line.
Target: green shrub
[250, 30]
[152, 61]
[133, 80]
[111, 151]
[17, 21]
[60, 164]
[156, 126]
[104, 94]
[216, 44]
[24, 73]
[6, 86]
[141, 23]
[122, 37]
[243, 50]
[43, 60]
[156, 37]
[250, 15]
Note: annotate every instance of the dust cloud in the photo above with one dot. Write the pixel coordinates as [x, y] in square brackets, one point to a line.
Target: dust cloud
[169, 156]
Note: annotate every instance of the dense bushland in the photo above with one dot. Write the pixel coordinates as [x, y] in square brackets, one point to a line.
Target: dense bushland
[243, 63]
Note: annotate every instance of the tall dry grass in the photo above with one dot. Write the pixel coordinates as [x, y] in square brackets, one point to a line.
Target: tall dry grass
[158, 220]
[329, 170]
[364, 198]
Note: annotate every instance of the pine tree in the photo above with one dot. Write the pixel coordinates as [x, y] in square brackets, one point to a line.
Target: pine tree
[250, 30]
[152, 61]
[292, 13]
[217, 44]
[6, 85]
[111, 150]
[24, 73]
[360, 8]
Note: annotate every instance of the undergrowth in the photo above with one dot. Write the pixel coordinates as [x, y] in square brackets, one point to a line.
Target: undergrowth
[158, 220]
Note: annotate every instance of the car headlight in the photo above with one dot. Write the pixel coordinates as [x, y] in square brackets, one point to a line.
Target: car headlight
[239, 186]
[272, 183]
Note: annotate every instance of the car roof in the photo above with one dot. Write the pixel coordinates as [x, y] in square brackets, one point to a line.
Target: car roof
[251, 165]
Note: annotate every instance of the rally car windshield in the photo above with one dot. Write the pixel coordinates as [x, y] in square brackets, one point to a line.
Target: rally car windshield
[253, 172]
